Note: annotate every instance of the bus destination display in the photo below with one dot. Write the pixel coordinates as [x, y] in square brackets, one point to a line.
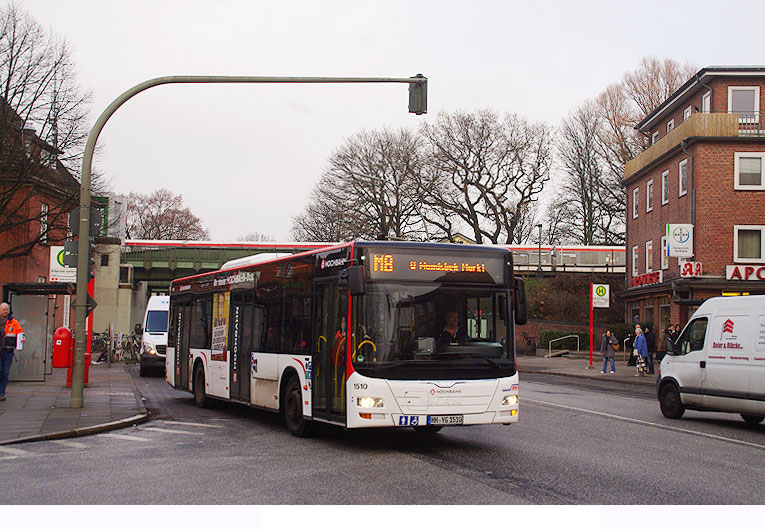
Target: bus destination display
[425, 267]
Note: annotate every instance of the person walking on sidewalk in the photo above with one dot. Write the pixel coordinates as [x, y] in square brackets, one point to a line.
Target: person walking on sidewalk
[607, 347]
[650, 343]
[640, 351]
[10, 329]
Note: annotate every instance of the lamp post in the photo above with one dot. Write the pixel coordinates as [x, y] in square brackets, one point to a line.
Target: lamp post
[539, 257]
[417, 105]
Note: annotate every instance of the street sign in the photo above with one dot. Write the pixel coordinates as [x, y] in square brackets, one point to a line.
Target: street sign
[59, 272]
[70, 254]
[91, 306]
[96, 220]
[601, 296]
[680, 240]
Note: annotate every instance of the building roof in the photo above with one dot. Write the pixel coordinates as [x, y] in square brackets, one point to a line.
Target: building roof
[694, 82]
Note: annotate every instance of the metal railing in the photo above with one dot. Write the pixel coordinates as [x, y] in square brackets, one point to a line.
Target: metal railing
[549, 344]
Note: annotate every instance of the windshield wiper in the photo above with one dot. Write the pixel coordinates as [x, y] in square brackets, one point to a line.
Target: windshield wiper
[491, 361]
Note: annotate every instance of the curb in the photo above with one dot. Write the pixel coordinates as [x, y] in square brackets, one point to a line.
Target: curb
[79, 432]
[618, 381]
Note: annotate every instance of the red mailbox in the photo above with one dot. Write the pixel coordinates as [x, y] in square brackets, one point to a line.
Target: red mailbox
[62, 347]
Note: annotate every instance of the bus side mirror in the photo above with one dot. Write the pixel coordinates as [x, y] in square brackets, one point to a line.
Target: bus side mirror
[138, 328]
[519, 299]
[353, 276]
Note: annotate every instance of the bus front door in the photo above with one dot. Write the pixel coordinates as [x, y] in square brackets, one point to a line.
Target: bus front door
[329, 351]
[183, 330]
[240, 345]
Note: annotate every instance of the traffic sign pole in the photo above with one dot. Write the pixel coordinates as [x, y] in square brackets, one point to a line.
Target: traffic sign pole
[591, 314]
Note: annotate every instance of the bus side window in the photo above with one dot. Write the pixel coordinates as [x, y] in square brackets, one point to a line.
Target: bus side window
[258, 328]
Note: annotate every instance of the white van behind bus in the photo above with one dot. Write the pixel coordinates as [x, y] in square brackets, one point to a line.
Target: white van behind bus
[718, 363]
[154, 334]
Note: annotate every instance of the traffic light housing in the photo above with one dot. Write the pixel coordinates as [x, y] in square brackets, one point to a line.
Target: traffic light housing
[418, 96]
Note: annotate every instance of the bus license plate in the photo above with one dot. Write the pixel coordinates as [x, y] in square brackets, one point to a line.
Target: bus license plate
[444, 419]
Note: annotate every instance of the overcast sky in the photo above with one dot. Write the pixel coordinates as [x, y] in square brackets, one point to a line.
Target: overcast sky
[245, 157]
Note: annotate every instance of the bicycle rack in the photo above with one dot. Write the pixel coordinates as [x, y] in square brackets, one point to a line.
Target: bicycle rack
[549, 344]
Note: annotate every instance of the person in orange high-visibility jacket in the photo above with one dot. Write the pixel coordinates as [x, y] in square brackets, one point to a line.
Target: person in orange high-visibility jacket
[10, 328]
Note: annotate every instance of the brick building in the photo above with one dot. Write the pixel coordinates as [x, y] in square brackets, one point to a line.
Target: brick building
[704, 167]
[36, 194]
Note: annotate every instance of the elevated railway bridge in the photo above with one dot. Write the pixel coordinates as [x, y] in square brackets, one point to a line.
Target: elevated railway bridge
[157, 263]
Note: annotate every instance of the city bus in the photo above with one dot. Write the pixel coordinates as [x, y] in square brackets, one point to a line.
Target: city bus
[362, 334]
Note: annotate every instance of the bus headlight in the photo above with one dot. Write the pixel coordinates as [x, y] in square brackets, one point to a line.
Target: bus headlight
[510, 400]
[370, 402]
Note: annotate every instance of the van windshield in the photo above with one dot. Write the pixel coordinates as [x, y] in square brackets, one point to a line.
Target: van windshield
[156, 321]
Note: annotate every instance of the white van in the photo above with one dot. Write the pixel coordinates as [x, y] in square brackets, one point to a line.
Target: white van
[154, 334]
[718, 363]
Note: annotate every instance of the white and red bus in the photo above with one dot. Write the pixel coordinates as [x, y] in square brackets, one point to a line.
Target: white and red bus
[361, 335]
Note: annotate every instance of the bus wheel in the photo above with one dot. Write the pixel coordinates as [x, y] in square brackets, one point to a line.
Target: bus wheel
[752, 419]
[670, 403]
[292, 409]
[200, 399]
[427, 430]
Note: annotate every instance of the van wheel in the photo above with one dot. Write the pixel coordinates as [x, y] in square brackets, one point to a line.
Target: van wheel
[200, 399]
[669, 400]
[752, 419]
[292, 409]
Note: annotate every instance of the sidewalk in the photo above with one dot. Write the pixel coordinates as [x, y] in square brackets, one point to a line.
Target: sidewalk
[577, 367]
[36, 411]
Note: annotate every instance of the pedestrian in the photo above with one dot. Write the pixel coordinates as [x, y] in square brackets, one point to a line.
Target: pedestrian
[678, 330]
[10, 329]
[668, 343]
[650, 342]
[608, 346]
[630, 344]
[640, 352]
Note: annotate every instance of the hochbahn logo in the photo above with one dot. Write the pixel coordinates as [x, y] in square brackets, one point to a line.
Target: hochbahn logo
[331, 263]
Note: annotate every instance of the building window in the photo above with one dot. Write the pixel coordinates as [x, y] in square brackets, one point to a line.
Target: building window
[664, 256]
[747, 244]
[635, 201]
[706, 103]
[654, 137]
[635, 258]
[649, 256]
[105, 260]
[649, 196]
[747, 167]
[648, 316]
[635, 311]
[687, 113]
[43, 222]
[682, 177]
[744, 100]
[670, 125]
[665, 188]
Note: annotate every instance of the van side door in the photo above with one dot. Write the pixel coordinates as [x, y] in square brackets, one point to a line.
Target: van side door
[688, 362]
[728, 360]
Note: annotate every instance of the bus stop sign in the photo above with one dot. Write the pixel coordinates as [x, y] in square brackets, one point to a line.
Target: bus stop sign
[600, 296]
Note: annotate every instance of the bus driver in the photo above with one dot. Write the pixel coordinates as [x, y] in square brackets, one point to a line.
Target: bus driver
[451, 334]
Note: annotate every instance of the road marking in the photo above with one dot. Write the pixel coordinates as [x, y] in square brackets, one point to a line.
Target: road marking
[125, 437]
[71, 444]
[14, 451]
[167, 430]
[192, 424]
[647, 423]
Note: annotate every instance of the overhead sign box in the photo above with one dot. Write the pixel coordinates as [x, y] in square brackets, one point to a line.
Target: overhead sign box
[680, 240]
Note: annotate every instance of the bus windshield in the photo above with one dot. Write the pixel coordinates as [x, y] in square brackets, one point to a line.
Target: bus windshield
[426, 331]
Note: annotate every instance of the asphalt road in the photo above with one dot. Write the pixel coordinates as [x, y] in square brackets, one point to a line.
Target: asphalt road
[577, 442]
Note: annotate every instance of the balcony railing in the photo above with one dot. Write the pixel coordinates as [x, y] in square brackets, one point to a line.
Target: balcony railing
[720, 124]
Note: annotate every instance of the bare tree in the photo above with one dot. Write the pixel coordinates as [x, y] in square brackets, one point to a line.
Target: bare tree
[255, 236]
[485, 171]
[161, 215]
[653, 81]
[593, 201]
[368, 190]
[42, 132]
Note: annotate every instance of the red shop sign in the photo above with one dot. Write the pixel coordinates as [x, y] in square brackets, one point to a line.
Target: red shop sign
[647, 279]
[745, 272]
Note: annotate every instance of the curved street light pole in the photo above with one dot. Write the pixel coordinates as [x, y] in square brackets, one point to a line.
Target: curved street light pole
[417, 105]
